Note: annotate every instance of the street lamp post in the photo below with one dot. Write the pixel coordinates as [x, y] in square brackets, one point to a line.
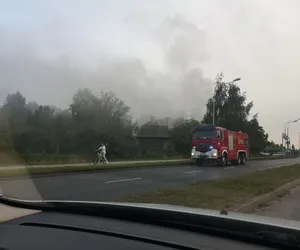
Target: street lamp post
[286, 130]
[299, 146]
[218, 81]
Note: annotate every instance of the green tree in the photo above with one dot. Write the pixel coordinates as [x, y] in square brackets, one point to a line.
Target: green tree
[258, 139]
[105, 118]
[29, 128]
[13, 115]
[40, 136]
[181, 135]
[232, 111]
[231, 108]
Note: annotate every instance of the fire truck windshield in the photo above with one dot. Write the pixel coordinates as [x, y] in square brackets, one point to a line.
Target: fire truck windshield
[205, 134]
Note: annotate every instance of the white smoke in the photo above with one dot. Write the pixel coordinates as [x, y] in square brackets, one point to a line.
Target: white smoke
[178, 89]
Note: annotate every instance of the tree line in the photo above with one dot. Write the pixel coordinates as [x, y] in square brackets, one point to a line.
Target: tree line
[27, 128]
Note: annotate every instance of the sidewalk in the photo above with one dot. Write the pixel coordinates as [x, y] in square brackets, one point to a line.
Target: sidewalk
[287, 207]
[6, 167]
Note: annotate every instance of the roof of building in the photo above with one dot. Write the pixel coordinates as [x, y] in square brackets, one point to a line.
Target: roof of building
[150, 130]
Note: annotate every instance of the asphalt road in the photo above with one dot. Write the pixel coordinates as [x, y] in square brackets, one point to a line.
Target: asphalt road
[108, 186]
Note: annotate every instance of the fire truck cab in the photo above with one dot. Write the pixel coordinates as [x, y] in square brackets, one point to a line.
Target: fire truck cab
[218, 145]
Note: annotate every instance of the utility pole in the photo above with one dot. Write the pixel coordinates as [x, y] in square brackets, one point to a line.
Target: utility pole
[282, 142]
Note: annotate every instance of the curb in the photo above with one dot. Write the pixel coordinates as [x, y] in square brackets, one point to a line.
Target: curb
[90, 171]
[263, 199]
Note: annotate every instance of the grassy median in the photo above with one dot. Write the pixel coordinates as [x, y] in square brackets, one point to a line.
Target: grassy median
[37, 171]
[222, 193]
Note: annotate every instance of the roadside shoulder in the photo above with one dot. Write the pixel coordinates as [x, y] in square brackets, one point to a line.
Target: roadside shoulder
[283, 202]
[286, 206]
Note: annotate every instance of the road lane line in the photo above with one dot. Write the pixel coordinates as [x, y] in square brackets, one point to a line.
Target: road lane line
[191, 172]
[121, 180]
[228, 167]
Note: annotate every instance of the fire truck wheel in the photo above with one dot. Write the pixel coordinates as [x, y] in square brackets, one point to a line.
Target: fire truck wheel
[243, 159]
[239, 160]
[223, 160]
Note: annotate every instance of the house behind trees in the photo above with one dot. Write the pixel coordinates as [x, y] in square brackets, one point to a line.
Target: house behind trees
[154, 135]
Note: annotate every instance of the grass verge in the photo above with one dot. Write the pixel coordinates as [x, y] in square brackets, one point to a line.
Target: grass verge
[267, 158]
[222, 193]
[38, 171]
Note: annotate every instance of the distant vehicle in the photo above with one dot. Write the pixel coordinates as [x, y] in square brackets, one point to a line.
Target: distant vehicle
[278, 154]
[265, 154]
[218, 145]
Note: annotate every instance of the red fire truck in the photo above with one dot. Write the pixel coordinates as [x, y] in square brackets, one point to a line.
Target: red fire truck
[218, 145]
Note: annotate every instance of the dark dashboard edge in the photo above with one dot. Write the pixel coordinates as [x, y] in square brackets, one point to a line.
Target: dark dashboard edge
[110, 233]
[211, 225]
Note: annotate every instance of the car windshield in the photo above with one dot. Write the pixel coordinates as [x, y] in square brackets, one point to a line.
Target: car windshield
[139, 77]
[205, 134]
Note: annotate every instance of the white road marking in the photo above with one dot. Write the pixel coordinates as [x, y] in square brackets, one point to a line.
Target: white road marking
[121, 180]
[228, 167]
[191, 172]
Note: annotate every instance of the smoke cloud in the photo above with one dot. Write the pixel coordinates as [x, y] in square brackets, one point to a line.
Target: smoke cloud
[178, 88]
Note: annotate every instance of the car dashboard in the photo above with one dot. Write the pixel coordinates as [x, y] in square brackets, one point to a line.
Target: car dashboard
[52, 230]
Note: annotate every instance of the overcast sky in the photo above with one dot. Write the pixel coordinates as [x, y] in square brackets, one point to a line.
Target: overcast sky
[160, 56]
